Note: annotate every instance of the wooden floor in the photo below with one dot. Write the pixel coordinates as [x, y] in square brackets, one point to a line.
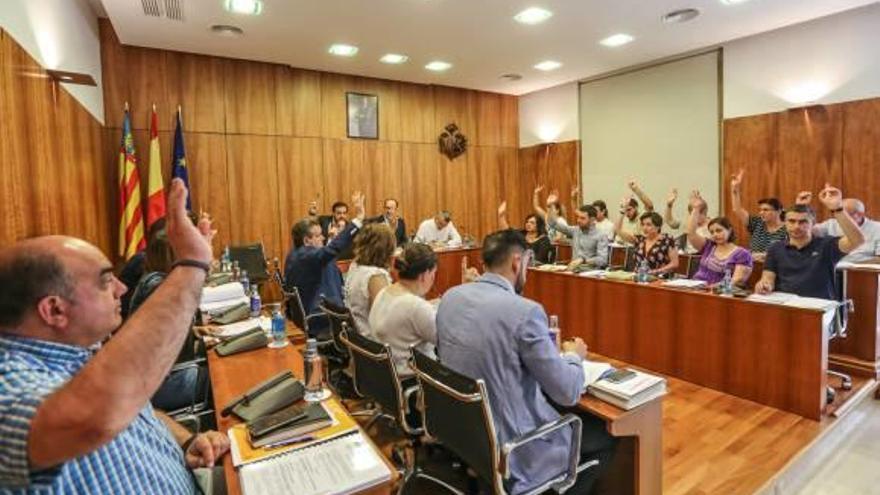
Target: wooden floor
[714, 443]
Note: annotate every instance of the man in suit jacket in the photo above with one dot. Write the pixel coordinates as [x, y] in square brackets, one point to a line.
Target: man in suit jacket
[391, 218]
[311, 266]
[487, 331]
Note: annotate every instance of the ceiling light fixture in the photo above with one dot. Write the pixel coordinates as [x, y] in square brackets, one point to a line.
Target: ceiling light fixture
[733, 2]
[393, 58]
[438, 66]
[805, 93]
[615, 40]
[548, 65]
[343, 50]
[533, 15]
[226, 30]
[245, 7]
[681, 15]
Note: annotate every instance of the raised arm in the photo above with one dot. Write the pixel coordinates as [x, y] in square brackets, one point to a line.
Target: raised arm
[618, 223]
[853, 236]
[536, 201]
[646, 201]
[695, 239]
[736, 198]
[575, 203]
[667, 213]
[502, 216]
[108, 393]
[553, 220]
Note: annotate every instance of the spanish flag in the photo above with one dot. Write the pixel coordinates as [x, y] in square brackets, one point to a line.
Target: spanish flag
[155, 186]
[131, 221]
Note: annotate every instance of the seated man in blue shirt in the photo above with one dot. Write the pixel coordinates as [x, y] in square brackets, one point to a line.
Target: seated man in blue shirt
[487, 331]
[76, 415]
[804, 264]
[311, 266]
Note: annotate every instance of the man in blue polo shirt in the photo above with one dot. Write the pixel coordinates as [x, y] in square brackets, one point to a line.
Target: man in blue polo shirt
[804, 265]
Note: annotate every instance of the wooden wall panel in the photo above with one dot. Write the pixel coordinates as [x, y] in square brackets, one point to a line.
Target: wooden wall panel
[202, 90]
[861, 153]
[114, 74]
[333, 107]
[300, 180]
[417, 123]
[509, 120]
[420, 176]
[384, 162]
[298, 97]
[344, 172]
[250, 97]
[153, 78]
[455, 190]
[454, 105]
[555, 166]
[11, 148]
[208, 179]
[488, 114]
[253, 191]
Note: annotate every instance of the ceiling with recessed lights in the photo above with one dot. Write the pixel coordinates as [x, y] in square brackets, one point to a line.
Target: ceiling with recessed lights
[479, 38]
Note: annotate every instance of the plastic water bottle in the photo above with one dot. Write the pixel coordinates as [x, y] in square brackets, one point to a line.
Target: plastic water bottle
[642, 274]
[224, 260]
[236, 272]
[279, 332]
[313, 364]
[245, 281]
[727, 283]
[555, 334]
[256, 303]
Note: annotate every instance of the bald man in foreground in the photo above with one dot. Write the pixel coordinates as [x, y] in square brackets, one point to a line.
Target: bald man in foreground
[76, 416]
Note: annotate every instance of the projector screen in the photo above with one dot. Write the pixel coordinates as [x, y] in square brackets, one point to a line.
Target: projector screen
[660, 126]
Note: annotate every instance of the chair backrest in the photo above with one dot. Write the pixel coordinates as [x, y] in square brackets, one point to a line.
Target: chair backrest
[296, 312]
[374, 374]
[693, 264]
[456, 412]
[251, 257]
[338, 316]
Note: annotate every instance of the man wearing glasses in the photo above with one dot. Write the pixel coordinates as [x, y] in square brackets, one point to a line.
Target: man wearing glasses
[487, 331]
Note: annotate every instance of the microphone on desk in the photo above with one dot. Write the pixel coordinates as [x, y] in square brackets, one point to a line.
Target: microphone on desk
[256, 391]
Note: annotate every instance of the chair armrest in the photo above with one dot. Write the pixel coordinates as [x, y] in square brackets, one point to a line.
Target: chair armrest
[574, 455]
[186, 365]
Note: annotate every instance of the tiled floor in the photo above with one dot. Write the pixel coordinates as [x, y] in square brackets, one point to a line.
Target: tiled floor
[854, 469]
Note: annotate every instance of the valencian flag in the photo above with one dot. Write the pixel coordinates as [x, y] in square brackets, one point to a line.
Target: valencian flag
[131, 220]
[155, 187]
[178, 160]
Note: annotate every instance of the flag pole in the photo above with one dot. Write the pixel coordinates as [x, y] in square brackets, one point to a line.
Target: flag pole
[126, 106]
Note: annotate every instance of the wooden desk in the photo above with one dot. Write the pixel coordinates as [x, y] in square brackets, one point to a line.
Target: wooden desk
[859, 352]
[773, 355]
[233, 375]
[448, 268]
[637, 466]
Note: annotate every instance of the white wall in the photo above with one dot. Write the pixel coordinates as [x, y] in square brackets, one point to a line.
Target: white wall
[550, 115]
[63, 35]
[828, 60]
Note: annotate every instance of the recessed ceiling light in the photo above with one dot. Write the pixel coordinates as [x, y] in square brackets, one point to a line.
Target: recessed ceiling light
[617, 40]
[343, 50]
[226, 30]
[681, 15]
[533, 15]
[393, 58]
[548, 65]
[733, 2]
[247, 7]
[438, 66]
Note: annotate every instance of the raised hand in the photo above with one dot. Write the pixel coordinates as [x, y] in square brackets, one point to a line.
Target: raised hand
[625, 201]
[502, 210]
[357, 199]
[205, 226]
[673, 195]
[538, 189]
[574, 192]
[695, 199]
[553, 197]
[468, 274]
[186, 239]
[803, 198]
[831, 197]
[736, 180]
[632, 184]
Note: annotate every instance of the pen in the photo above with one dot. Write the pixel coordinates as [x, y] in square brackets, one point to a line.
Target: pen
[290, 441]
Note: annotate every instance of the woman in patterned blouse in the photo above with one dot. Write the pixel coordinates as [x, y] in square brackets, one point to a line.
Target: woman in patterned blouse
[652, 245]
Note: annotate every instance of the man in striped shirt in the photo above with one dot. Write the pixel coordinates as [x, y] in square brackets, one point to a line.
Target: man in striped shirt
[75, 416]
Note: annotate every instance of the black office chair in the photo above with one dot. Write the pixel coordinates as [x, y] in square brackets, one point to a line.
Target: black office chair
[198, 414]
[456, 412]
[838, 328]
[375, 378]
[617, 252]
[693, 264]
[336, 351]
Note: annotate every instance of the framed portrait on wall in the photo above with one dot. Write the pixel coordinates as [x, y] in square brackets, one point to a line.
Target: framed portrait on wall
[363, 115]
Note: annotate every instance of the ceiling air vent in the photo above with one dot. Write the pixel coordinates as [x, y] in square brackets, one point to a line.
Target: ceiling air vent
[170, 9]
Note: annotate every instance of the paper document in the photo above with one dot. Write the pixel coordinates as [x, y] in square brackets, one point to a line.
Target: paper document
[685, 283]
[225, 292]
[772, 298]
[219, 305]
[240, 327]
[343, 465]
[593, 371]
[592, 274]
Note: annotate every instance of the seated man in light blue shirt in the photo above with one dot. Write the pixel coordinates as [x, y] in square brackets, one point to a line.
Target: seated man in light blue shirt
[589, 244]
[487, 331]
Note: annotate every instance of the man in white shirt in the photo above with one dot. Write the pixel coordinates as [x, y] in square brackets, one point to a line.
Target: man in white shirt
[603, 223]
[869, 249]
[439, 230]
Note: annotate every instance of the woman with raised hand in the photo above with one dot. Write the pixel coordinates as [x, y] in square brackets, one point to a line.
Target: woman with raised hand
[718, 252]
[652, 246]
[535, 232]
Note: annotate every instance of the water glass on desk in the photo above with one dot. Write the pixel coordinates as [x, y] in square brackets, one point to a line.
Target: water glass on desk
[555, 332]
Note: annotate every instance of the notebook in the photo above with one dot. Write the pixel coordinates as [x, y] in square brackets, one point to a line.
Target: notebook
[343, 465]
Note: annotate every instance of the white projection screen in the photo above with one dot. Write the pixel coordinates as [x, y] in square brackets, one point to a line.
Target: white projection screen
[658, 125]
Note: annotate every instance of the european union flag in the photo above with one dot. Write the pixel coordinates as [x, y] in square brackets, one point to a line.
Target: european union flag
[178, 160]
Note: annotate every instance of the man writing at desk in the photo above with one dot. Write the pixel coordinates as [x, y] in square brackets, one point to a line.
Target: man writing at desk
[75, 415]
[804, 264]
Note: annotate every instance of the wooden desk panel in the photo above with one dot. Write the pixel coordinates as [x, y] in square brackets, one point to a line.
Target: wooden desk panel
[233, 375]
[859, 352]
[770, 354]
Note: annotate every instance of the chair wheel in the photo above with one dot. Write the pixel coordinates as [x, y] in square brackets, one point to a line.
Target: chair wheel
[829, 395]
[846, 384]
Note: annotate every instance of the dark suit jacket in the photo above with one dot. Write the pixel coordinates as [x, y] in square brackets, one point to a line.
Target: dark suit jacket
[325, 221]
[400, 234]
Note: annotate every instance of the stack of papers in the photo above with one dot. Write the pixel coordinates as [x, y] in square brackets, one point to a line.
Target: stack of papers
[243, 326]
[593, 371]
[593, 274]
[222, 297]
[552, 268]
[631, 393]
[685, 283]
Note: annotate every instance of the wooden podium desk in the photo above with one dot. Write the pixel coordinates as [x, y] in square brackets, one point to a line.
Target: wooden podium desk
[233, 375]
[637, 466]
[770, 354]
[448, 268]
